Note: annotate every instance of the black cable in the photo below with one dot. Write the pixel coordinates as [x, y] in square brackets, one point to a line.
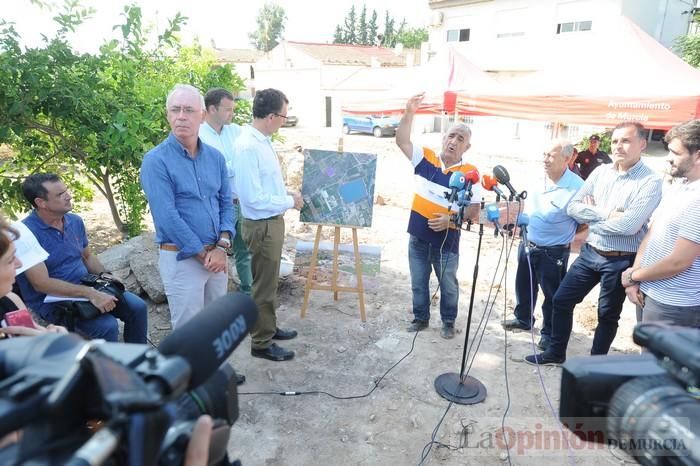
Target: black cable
[351, 397]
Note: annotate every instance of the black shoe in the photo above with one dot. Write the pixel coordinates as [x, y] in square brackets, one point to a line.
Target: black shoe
[447, 332]
[417, 325]
[281, 334]
[273, 353]
[543, 344]
[513, 324]
[543, 359]
[240, 379]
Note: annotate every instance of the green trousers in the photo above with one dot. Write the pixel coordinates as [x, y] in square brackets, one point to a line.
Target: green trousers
[264, 239]
[242, 256]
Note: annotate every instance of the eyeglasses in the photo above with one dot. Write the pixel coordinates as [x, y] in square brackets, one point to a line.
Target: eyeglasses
[281, 116]
[187, 110]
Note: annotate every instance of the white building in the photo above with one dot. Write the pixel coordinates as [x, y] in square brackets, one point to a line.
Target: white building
[243, 62]
[506, 36]
[318, 78]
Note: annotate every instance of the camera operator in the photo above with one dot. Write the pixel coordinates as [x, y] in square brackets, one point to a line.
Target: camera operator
[63, 235]
[663, 281]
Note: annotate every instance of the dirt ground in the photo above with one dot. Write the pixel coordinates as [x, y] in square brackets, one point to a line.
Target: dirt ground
[339, 354]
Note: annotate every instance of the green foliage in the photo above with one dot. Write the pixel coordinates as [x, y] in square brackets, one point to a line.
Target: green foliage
[364, 32]
[270, 27]
[689, 49]
[412, 38]
[91, 117]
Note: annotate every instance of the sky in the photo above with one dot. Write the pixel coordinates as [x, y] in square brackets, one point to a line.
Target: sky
[226, 22]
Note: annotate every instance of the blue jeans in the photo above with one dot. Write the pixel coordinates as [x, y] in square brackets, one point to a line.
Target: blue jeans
[585, 273]
[132, 312]
[421, 257]
[546, 270]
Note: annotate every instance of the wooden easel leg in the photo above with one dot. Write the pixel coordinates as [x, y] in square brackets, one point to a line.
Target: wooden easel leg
[336, 246]
[312, 268]
[358, 272]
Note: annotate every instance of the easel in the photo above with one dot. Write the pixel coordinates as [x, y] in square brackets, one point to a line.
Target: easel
[311, 284]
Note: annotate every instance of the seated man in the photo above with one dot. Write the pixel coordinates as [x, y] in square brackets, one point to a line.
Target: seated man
[63, 235]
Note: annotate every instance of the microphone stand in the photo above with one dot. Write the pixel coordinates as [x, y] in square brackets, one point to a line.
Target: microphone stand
[450, 385]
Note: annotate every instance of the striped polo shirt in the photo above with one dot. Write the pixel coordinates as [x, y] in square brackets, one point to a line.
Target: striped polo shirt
[432, 180]
[636, 193]
[678, 215]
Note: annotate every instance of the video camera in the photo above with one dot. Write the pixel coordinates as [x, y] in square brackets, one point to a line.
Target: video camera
[646, 405]
[82, 402]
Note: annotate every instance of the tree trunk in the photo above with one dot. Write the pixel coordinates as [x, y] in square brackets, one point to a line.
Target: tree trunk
[109, 194]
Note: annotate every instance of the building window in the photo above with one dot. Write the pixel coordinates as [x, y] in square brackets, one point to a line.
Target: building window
[574, 26]
[458, 35]
[502, 35]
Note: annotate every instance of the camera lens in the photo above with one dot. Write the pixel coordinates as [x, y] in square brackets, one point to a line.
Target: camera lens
[652, 417]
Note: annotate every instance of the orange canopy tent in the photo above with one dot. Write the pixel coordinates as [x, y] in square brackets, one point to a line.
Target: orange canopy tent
[439, 80]
[614, 73]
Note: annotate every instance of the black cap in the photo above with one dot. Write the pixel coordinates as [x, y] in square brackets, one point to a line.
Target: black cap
[594, 137]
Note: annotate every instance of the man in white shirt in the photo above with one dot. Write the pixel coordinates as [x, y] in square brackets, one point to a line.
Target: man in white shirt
[264, 199]
[218, 131]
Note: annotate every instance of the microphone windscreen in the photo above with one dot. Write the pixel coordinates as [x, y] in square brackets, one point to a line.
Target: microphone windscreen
[472, 176]
[208, 339]
[457, 180]
[493, 213]
[523, 220]
[501, 174]
[488, 182]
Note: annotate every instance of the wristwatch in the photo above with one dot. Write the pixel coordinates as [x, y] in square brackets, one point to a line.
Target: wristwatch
[225, 242]
[628, 277]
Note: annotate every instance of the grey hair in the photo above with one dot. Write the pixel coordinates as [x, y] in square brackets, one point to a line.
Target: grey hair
[461, 127]
[566, 149]
[184, 87]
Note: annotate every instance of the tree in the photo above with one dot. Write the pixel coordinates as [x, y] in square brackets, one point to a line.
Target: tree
[92, 117]
[372, 29]
[412, 38]
[350, 36]
[361, 33]
[270, 22]
[689, 49]
[388, 39]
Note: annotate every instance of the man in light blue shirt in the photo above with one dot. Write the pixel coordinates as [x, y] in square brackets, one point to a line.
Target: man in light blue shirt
[218, 131]
[542, 261]
[616, 202]
[187, 186]
[264, 199]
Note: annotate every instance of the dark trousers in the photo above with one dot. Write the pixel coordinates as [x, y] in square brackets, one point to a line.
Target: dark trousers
[587, 271]
[545, 269]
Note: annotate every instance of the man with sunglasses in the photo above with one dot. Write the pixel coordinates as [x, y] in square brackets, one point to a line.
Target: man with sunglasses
[264, 199]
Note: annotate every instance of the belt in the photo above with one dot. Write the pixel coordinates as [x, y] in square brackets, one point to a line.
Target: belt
[173, 248]
[274, 217]
[535, 246]
[613, 253]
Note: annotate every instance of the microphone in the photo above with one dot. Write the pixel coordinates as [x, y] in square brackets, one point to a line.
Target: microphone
[493, 214]
[471, 178]
[503, 177]
[208, 339]
[523, 221]
[489, 183]
[456, 184]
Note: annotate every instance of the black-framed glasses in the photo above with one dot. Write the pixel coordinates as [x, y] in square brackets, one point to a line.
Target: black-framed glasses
[281, 116]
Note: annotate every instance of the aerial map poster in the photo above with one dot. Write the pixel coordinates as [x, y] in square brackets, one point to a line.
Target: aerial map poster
[338, 188]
